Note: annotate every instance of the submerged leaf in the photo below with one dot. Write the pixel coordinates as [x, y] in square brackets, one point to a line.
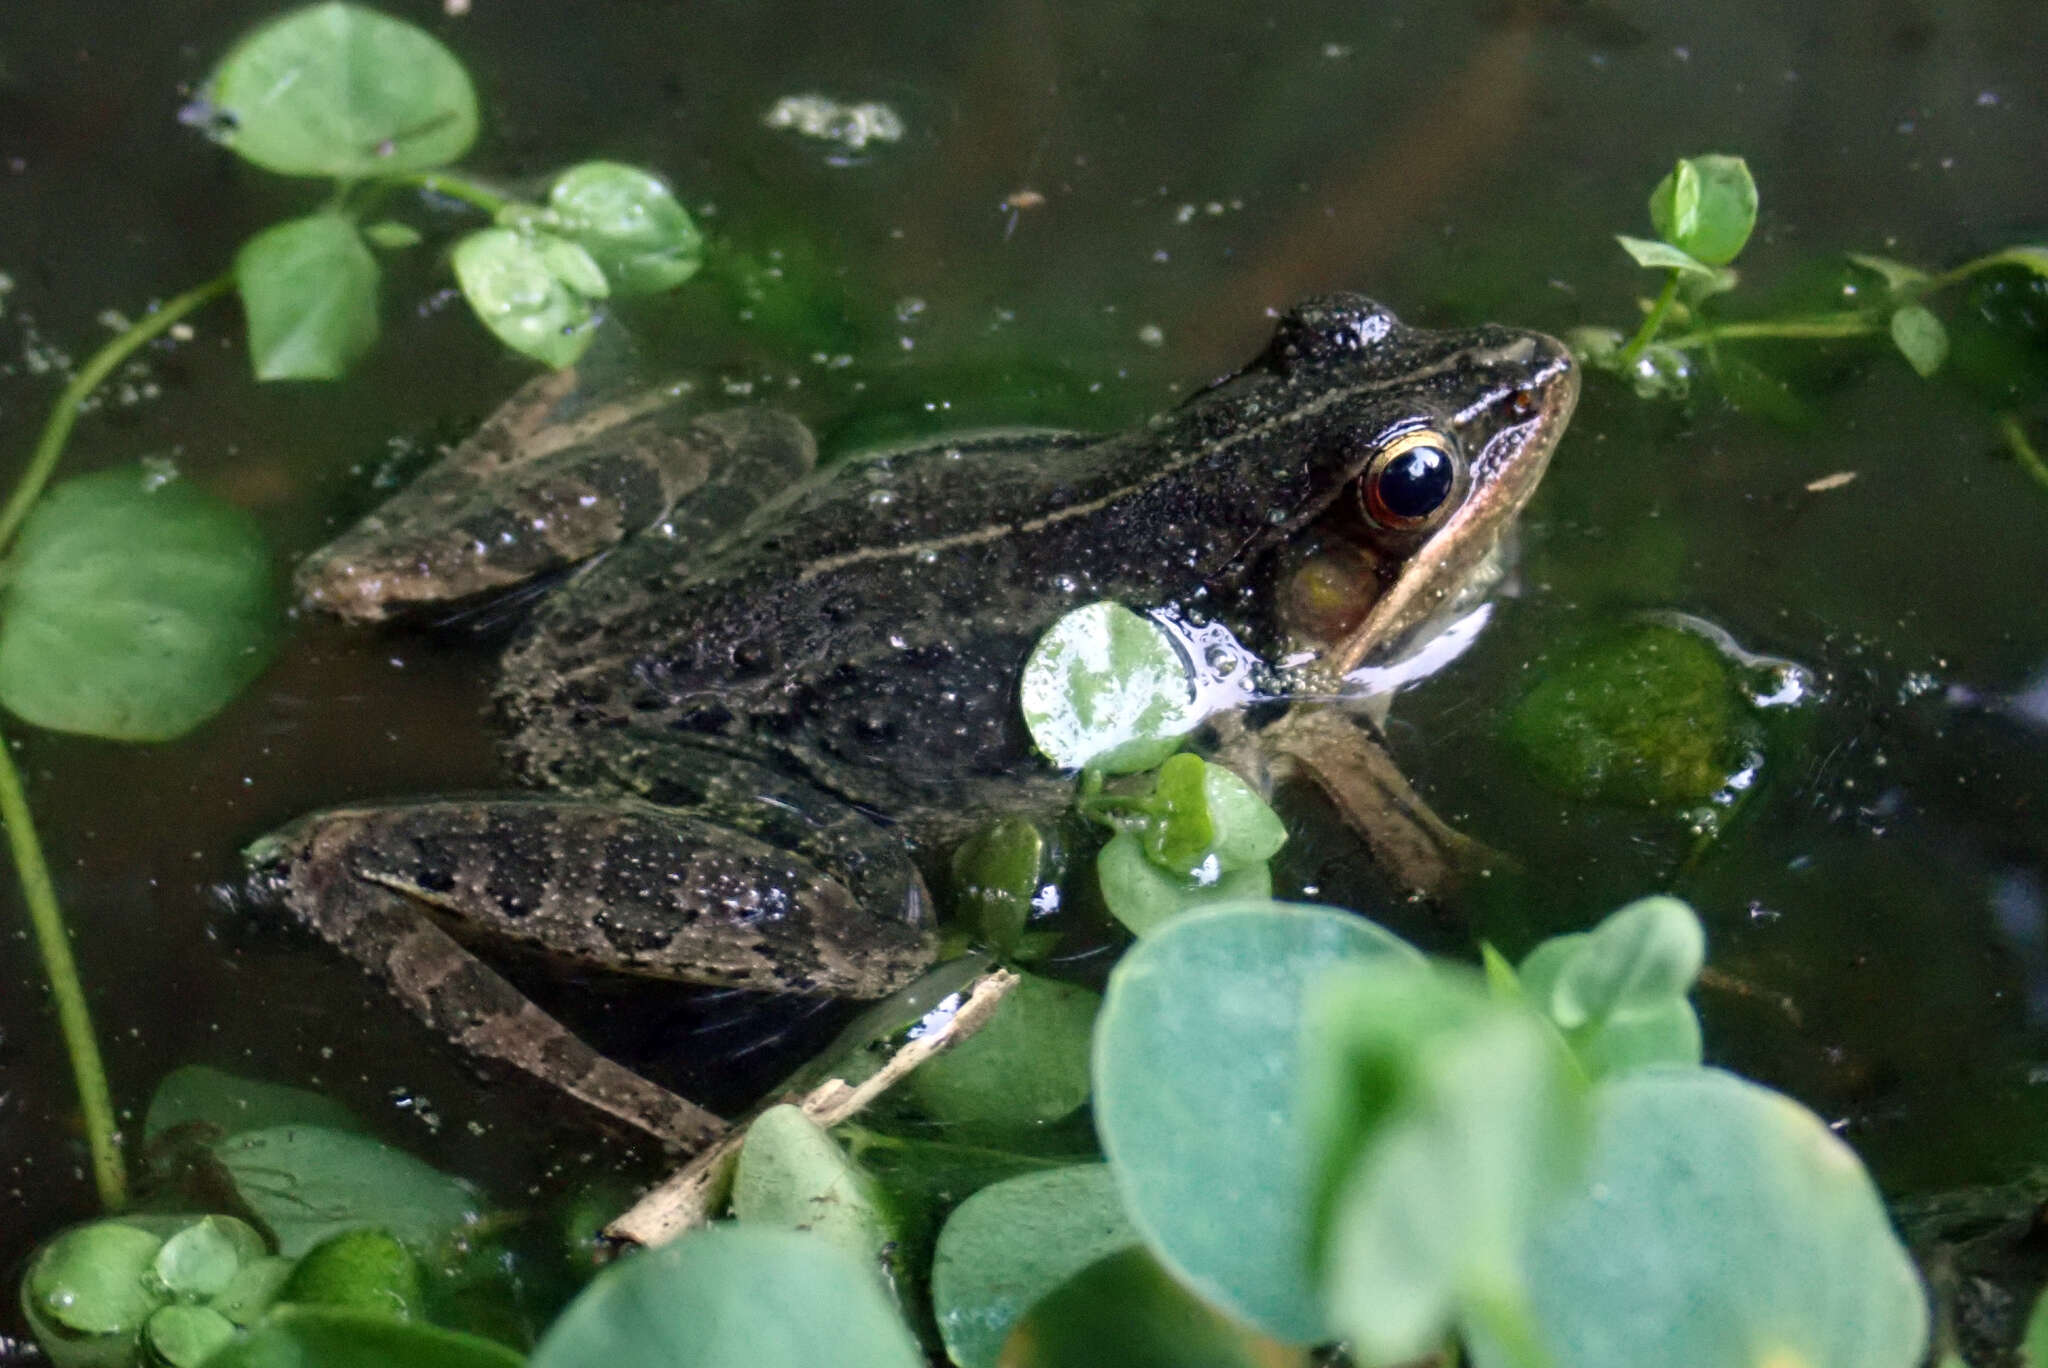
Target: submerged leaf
[136, 608]
[793, 1176]
[515, 283]
[1026, 1067]
[1920, 338]
[309, 288]
[630, 223]
[303, 1336]
[343, 91]
[309, 1184]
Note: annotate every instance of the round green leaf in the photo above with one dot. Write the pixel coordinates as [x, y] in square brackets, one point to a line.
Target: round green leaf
[997, 873]
[93, 1280]
[1920, 338]
[1718, 1225]
[1107, 688]
[1641, 956]
[198, 1094]
[793, 1176]
[185, 1336]
[308, 1184]
[1028, 1065]
[202, 1259]
[1128, 1311]
[136, 608]
[1141, 895]
[254, 1289]
[339, 90]
[631, 223]
[363, 1270]
[1013, 1242]
[732, 1297]
[1707, 207]
[516, 291]
[309, 289]
[1199, 1098]
[1662, 256]
[304, 1336]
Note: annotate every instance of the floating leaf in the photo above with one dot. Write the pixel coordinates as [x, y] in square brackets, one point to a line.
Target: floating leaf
[1028, 1065]
[515, 289]
[1706, 207]
[1106, 688]
[1010, 1244]
[2034, 1342]
[309, 288]
[1446, 1122]
[1662, 256]
[339, 90]
[308, 1184]
[254, 1290]
[997, 873]
[630, 223]
[200, 1094]
[201, 1260]
[303, 1336]
[793, 1176]
[1199, 1098]
[93, 1280]
[1619, 992]
[732, 1297]
[136, 608]
[361, 1270]
[1141, 895]
[1920, 338]
[1718, 1225]
[1128, 1311]
[186, 1336]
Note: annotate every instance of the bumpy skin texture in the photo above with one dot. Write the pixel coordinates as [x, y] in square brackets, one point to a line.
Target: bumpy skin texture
[749, 719]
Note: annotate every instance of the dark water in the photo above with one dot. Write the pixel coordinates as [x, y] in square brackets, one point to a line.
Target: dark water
[1887, 896]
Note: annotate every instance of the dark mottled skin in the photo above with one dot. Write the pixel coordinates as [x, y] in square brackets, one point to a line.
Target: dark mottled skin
[749, 720]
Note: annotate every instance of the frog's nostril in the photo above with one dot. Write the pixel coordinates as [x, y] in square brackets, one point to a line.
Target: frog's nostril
[1523, 402]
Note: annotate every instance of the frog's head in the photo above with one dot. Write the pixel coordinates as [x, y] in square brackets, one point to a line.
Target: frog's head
[1413, 451]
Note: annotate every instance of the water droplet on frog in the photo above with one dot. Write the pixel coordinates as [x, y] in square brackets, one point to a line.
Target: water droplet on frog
[1066, 584]
[881, 498]
[1276, 516]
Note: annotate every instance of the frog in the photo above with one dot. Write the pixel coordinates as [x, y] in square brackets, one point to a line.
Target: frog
[759, 700]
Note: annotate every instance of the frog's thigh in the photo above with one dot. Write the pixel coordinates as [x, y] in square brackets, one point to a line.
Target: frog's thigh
[475, 526]
[1409, 842]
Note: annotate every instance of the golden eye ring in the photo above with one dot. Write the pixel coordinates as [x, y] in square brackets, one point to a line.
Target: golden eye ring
[1413, 482]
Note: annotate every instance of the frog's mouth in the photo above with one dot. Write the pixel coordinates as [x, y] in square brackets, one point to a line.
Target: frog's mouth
[1505, 474]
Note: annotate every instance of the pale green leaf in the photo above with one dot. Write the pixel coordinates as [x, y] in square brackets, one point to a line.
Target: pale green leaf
[630, 223]
[309, 1184]
[1662, 256]
[793, 1176]
[1920, 338]
[1026, 1066]
[1107, 688]
[309, 289]
[516, 292]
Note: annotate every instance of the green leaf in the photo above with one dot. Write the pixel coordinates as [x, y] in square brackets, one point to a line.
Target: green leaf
[1027, 1066]
[1619, 992]
[186, 1336]
[630, 222]
[365, 1270]
[924, 1004]
[309, 288]
[1107, 688]
[793, 1176]
[201, 1260]
[732, 1297]
[391, 235]
[1920, 338]
[1141, 895]
[1718, 1225]
[136, 607]
[93, 1280]
[1128, 1311]
[1898, 275]
[306, 1336]
[997, 872]
[1204, 813]
[573, 266]
[514, 287]
[254, 1289]
[1662, 256]
[309, 1184]
[342, 91]
[1445, 1122]
[1199, 1098]
[1010, 1244]
[1706, 207]
[2034, 1342]
[199, 1094]
[2033, 258]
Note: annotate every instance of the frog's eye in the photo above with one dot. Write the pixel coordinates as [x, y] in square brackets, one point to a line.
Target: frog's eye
[1408, 485]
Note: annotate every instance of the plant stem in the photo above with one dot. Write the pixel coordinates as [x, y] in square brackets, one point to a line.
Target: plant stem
[1652, 321]
[2023, 450]
[457, 188]
[57, 430]
[73, 1019]
[1821, 326]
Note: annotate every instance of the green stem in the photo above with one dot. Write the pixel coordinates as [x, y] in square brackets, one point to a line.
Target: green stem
[57, 430]
[2032, 258]
[1821, 326]
[1652, 321]
[457, 188]
[73, 1019]
[2023, 450]
[1505, 1314]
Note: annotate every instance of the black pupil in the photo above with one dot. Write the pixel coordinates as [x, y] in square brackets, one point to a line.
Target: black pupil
[1415, 484]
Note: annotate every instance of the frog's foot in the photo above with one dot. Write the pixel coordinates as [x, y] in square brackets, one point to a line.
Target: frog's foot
[613, 884]
[547, 482]
[1413, 846]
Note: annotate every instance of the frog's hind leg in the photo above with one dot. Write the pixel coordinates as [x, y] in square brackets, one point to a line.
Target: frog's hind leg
[615, 884]
[546, 483]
